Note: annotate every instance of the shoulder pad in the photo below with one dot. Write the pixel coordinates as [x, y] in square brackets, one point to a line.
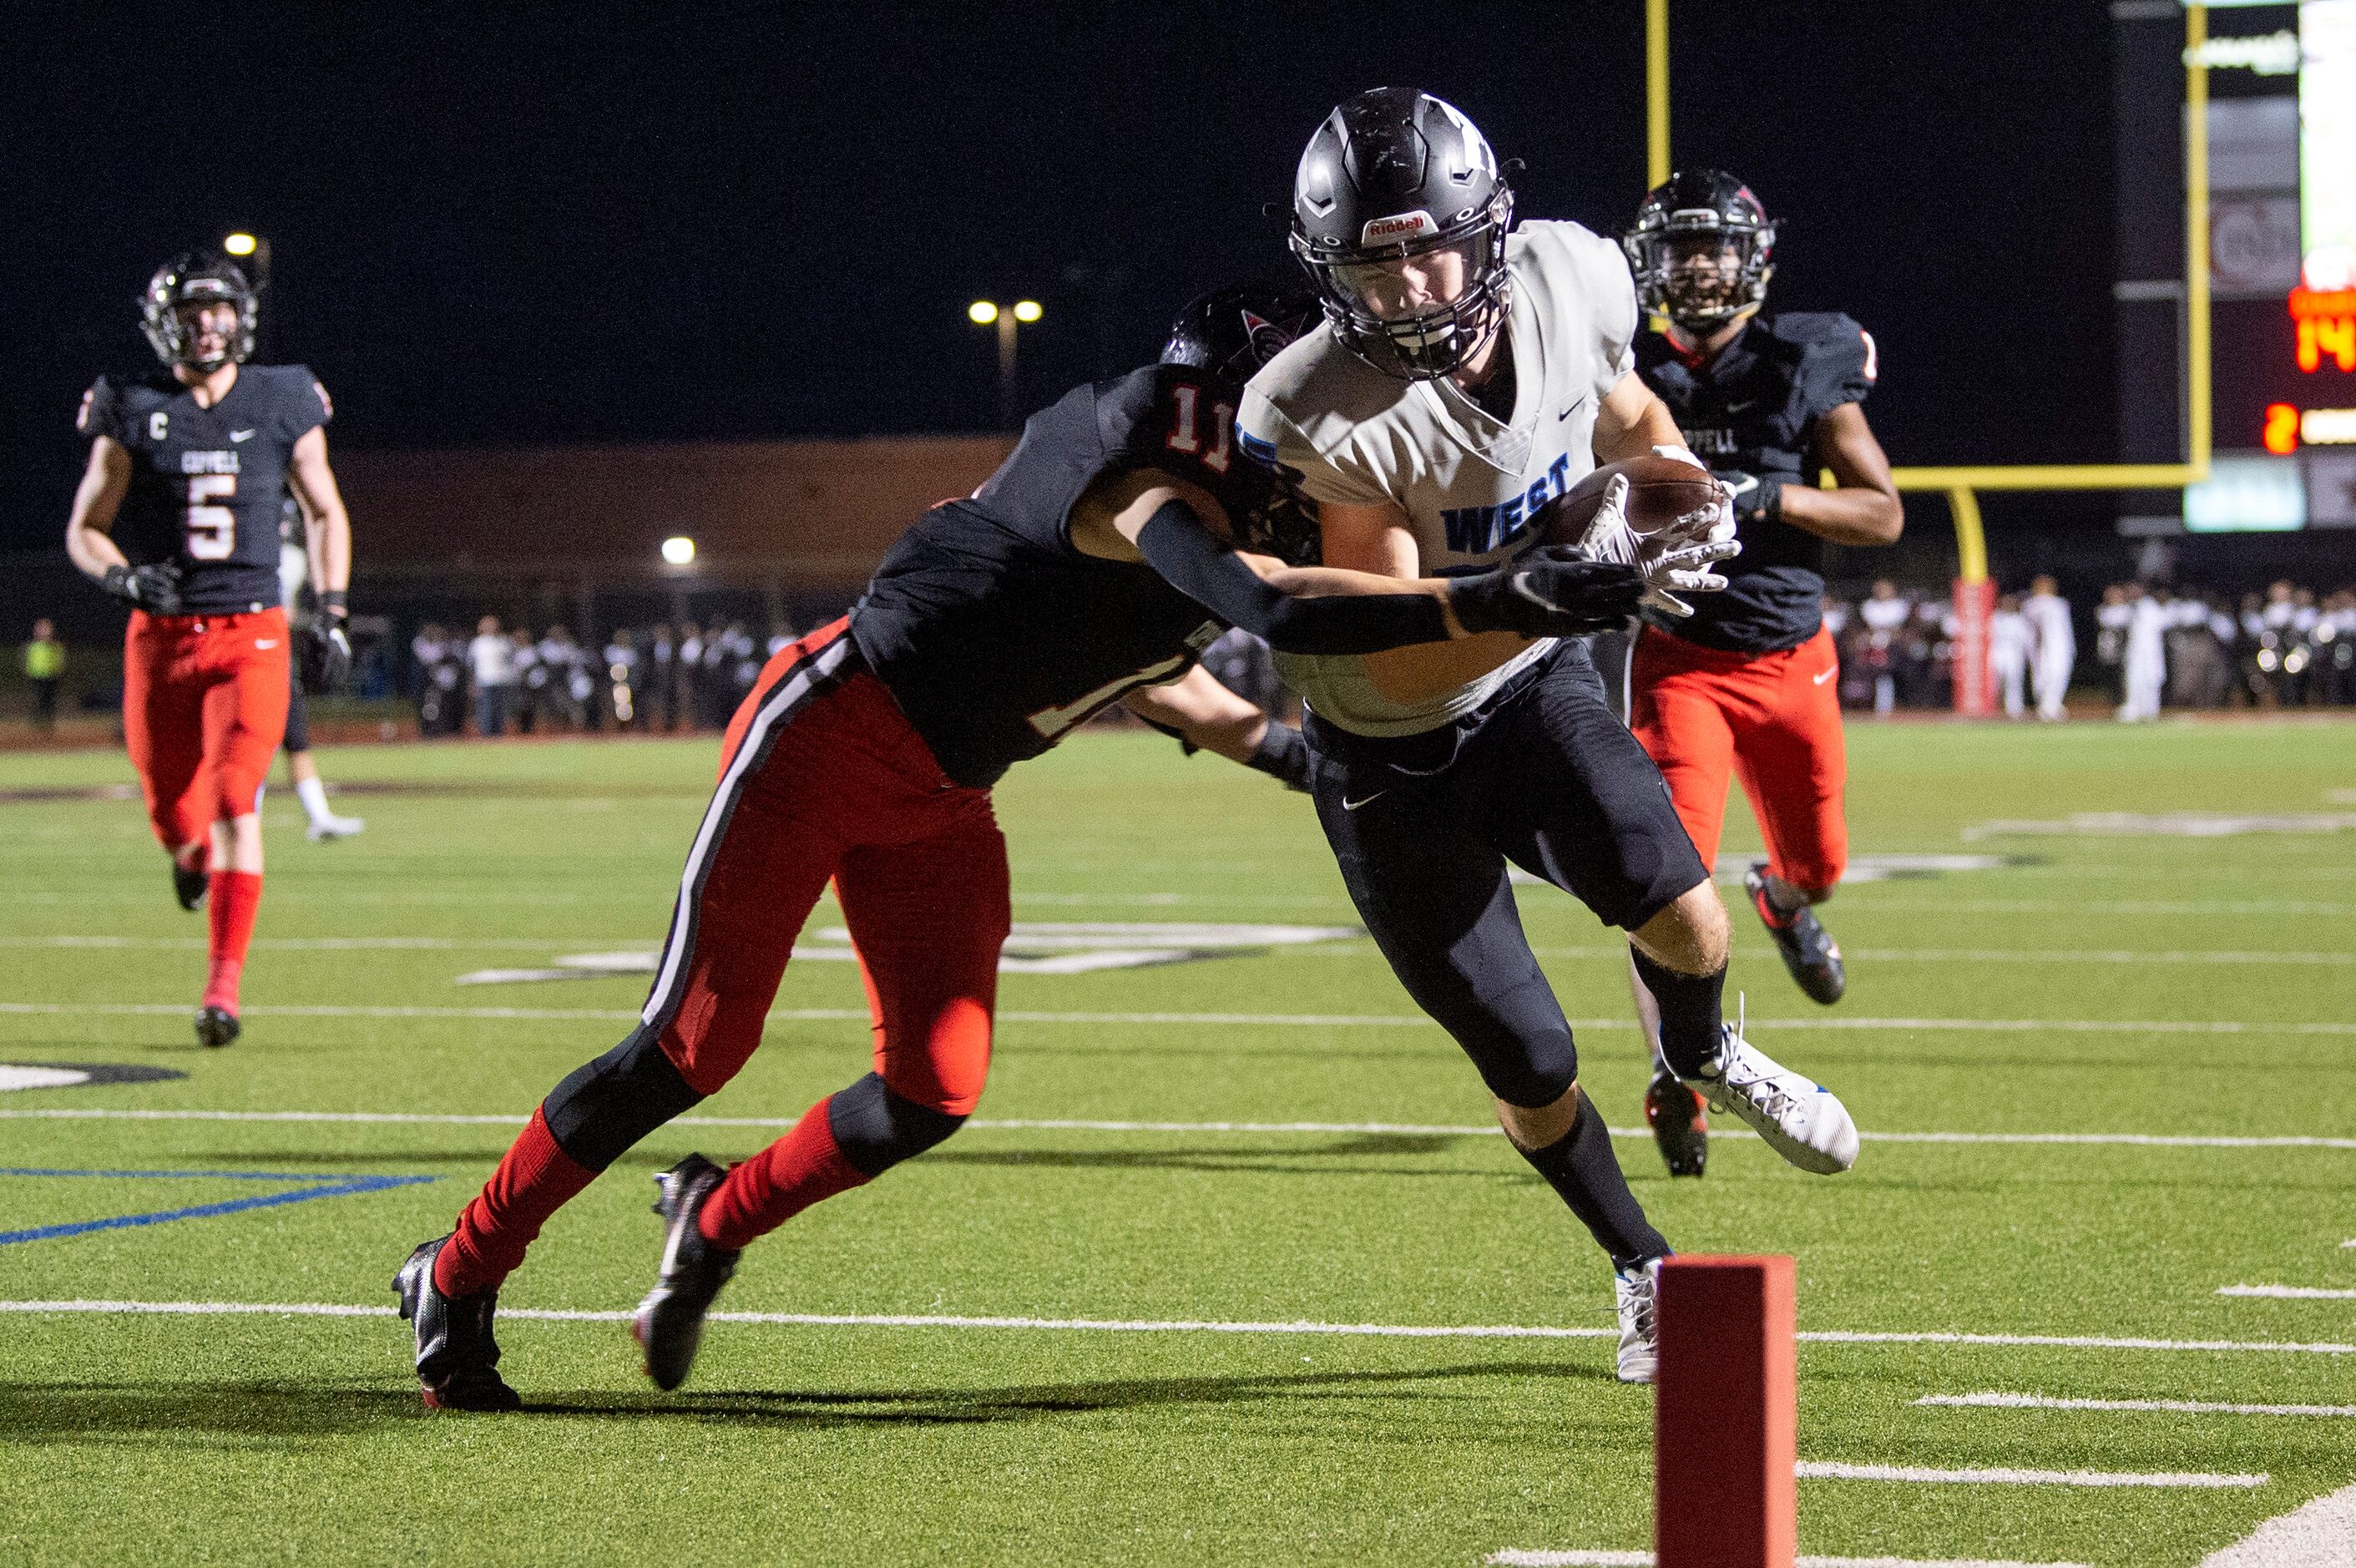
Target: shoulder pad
[98, 405]
[1838, 358]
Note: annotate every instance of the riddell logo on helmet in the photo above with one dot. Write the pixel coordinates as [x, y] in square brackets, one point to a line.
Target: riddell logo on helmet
[1403, 226]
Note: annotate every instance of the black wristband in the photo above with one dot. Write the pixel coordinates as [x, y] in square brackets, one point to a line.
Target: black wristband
[1282, 755]
[336, 602]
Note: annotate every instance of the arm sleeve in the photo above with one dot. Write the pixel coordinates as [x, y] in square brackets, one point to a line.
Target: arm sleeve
[1177, 545]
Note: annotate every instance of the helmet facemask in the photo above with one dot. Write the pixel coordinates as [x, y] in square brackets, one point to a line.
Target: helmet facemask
[1419, 308]
[178, 284]
[1698, 268]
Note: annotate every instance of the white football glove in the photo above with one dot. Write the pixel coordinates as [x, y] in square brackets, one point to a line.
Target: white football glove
[1679, 557]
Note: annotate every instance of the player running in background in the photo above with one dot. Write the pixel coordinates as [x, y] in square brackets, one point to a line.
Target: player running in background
[178, 516]
[1095, 565]
[1467, 373]
[294, 531]
[1747, 685]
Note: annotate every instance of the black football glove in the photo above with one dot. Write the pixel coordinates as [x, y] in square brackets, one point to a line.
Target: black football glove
[326, 651]
[1283, 756]
[1758, 498]
[1556, 590]
[154, 588]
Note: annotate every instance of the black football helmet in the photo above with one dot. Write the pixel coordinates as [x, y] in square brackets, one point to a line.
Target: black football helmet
[1228, 333]
[1231, 332]
[190, 279]
[1395, 174]
[1701, 215]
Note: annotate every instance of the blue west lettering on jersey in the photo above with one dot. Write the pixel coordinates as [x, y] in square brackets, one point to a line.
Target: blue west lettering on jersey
[1477, 529]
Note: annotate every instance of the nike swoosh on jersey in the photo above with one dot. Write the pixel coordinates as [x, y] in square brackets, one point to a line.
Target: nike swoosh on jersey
[1350, 805]
[1567, 412]
[1828, 675]
[241, 435]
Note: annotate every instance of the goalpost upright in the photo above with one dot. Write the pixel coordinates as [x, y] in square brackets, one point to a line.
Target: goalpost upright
[1975, 592]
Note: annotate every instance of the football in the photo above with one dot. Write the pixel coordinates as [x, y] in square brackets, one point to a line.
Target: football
[1660, 491]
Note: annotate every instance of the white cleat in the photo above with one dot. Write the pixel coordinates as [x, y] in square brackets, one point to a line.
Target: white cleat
[1801, 1119]
[1639, 1295]
[334, 828]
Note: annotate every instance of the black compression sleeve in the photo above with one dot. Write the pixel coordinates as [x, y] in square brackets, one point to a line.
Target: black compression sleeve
[1176, 544]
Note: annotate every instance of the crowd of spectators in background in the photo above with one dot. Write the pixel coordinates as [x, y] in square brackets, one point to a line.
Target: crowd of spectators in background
[2153, 648]
[663, 678]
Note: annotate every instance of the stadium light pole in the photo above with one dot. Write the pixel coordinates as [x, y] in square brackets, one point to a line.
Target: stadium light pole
[250, 252]
[1007, 319]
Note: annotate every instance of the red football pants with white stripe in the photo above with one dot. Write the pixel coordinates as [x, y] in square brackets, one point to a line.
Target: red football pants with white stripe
[822, 778]
[1772, 720]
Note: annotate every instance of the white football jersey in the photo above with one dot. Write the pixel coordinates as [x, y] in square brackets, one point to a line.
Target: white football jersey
[1349, 434]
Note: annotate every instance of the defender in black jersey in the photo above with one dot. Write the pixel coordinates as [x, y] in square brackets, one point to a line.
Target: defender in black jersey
[177, 515]
[1099, 559]
[1749, 683]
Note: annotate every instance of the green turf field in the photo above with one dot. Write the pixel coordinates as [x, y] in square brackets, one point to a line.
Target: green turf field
[2165, 985]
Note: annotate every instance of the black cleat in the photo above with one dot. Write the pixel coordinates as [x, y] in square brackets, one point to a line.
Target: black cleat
[458, 1359]
[216, 1026]
[1811, 954]
[1680, 1124]
[669, 1324]
[190, 885]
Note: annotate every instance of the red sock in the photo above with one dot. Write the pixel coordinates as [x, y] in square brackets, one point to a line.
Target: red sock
[535, 1179]
[230, 910]
[803, 1167]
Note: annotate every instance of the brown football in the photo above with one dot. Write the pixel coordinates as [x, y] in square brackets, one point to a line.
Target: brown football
[1660, 491]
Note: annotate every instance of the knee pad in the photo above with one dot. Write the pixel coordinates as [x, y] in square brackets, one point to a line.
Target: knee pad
[876, 1129]
[605, 1106]
[1532, 1061]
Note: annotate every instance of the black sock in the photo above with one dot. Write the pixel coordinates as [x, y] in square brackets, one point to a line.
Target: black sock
[1691, 1012]
[1582, 1168]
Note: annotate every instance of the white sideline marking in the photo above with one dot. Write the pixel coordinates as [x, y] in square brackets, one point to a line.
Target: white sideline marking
[2287, 1293]
[316, 944]
[1818, 1470]
[1282, 1020]
[1963, 955]
[1174, 1326]
[2314, 1536]
[1645, 1560]
[2170, 1407]
[1076, 1124]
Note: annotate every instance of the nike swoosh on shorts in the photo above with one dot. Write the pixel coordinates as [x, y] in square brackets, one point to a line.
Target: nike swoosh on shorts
[265, 642]
[1350, 805]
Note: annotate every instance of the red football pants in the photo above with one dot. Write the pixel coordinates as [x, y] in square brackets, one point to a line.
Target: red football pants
[1772, 720]
[822, 778]
[204, 707]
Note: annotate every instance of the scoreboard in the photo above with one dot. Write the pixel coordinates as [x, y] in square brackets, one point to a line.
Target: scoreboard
[2282, 173]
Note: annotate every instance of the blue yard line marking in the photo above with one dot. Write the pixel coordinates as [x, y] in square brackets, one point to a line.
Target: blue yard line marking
[330, 1186]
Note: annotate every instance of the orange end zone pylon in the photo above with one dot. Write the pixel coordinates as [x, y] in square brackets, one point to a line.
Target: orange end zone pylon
[1726, 1415]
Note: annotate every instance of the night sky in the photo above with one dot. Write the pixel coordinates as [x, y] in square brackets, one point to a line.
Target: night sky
[497, 225]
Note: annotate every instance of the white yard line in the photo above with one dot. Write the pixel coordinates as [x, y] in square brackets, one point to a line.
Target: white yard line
[2168, 1407]
[325, 944]
[1276, 1020]
[1645, 1560]
[2287, 1293]
[1079, 1124]
[1155, 1326]
[1815, 1470]
[2316, 1536]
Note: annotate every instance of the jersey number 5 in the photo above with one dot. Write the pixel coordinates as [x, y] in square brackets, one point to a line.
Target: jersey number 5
[212, 529]
[1185, 432]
